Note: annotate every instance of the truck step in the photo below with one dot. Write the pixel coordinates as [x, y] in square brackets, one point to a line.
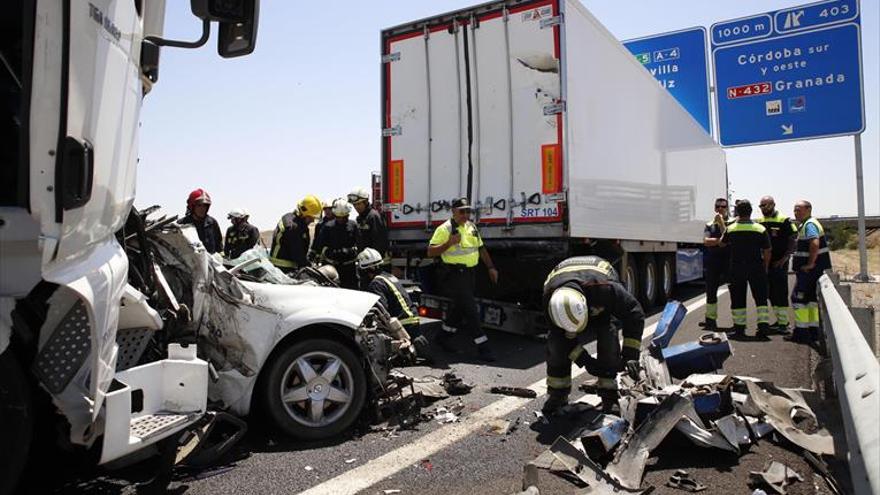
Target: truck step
[151, 425]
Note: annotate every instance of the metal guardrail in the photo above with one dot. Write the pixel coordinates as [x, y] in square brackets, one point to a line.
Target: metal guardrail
[857, 380]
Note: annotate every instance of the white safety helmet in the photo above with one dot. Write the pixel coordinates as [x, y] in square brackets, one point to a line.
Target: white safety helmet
[369, 258]
[568, 309]
[330, 272]
[358, 194]
[341, 208]
[238, 213]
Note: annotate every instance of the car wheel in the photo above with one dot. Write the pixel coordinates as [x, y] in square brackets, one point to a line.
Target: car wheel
[16, 422]
[315, 389]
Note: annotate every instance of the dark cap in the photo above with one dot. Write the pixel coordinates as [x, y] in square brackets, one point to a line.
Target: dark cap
[461, 204]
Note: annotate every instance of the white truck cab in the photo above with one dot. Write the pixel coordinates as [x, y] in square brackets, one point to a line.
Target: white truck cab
[72, 80]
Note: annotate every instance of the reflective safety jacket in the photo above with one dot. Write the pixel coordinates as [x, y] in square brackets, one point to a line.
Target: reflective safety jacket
[466, 252]
[239, 239]
[208, 230]
[781, 230]
[606, 297]
[747, 240]
[337, 242]
[394, 298]
[802, 251]
[290, 242]
[372, 232]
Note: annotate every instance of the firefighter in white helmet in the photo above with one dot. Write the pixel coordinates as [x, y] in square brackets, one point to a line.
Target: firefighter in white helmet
[241, 235]
[581, 295]
[337, 244]
[391, 292]
[372, 232]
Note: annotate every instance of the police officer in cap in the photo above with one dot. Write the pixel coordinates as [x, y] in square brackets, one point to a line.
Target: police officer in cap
[717, 261]
[581, 295]
[458, 244]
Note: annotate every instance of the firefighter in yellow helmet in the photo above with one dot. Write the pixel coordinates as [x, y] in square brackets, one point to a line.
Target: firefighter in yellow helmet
[290, 242]
[581, 295]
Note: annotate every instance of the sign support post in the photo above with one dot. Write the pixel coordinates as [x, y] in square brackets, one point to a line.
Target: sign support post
[860, 198]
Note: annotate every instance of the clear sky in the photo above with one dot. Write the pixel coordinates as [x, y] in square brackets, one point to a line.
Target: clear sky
[301, 114]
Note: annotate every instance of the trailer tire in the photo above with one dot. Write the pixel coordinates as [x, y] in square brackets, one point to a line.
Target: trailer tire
[16, 422]
[667, 278]
[289, 373]
[648, 281]
[630, 276]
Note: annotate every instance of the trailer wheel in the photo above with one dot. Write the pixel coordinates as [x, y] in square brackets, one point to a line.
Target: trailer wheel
[648, 281]
[315, 389]
[667, 278]
[631, 276]
[16, 422]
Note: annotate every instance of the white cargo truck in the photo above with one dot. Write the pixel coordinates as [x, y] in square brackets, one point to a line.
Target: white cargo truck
[562, 141]
[73, 75]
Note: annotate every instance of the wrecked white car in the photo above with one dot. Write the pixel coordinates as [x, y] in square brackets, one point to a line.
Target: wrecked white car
[310, 356]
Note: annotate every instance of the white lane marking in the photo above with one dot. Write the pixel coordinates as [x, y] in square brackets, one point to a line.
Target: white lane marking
[367, 475]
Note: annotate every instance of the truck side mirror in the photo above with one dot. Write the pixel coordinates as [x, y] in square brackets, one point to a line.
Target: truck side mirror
[239, 38]
[220, 10]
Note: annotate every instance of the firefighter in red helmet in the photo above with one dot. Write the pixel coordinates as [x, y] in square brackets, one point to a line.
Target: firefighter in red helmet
[197, 205]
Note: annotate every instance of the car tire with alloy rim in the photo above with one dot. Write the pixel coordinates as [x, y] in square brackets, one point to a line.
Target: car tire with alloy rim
[315, 389]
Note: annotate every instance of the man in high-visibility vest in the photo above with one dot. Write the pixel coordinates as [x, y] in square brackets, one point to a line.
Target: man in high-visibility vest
[290, 242]
[810, 260]
[391, 292]
[783, 235]
[749, 260]
[581, 295]
[458, 244]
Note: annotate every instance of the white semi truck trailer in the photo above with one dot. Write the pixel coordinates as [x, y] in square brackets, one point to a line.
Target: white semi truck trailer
[72, 79]
[561, 140]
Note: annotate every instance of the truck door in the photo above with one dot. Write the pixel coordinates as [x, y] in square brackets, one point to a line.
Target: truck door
[473, 107]
[85, 107]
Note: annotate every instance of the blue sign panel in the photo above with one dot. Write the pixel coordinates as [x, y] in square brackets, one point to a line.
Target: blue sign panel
[800, 78]
[678, 61]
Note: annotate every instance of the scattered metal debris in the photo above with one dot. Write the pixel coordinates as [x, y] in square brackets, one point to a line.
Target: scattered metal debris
[777, 476]
[526, 393]
[584, 469]
[628, 465]
[822, 468]
[782, 408]
[682, 480]
[455, 385]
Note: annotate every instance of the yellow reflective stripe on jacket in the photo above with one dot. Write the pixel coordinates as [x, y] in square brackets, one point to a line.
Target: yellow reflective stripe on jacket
[633, 343]
[746, 227]
[603, 267]
[273, 258]
[409, 314]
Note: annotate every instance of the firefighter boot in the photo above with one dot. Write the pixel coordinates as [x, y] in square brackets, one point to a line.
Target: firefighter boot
[554, 403]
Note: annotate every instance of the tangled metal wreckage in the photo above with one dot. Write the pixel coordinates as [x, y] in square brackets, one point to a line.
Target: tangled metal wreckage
[608, 453]
[313, 354]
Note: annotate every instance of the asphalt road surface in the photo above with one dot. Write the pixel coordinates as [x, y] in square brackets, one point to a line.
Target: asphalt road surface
[466, 457]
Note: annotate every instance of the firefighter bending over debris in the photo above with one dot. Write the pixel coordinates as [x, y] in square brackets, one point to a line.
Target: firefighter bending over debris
[581, 295]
